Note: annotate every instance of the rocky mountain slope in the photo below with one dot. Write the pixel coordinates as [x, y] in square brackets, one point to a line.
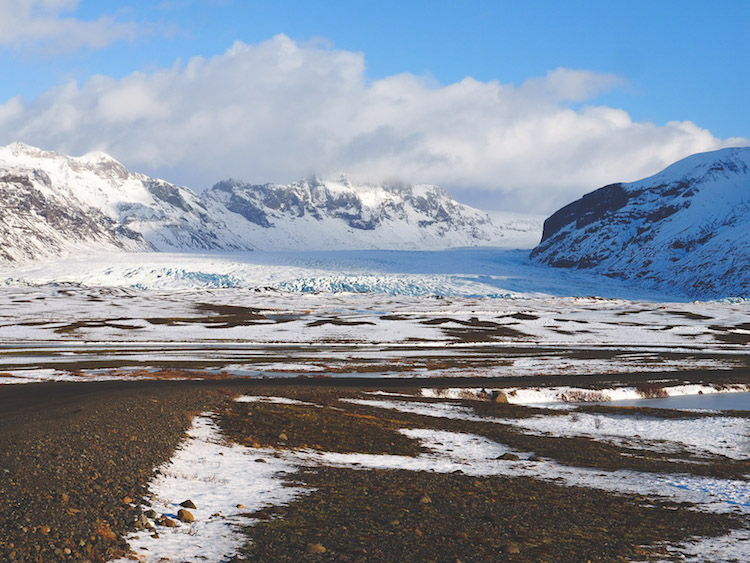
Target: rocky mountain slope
[686, 229]
[54, 204]
[336, 214]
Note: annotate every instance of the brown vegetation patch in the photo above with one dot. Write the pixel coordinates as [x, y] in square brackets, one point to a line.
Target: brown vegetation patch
[521, 316]
[96, 323]
[484, 334]
[689, 315]
[651, 391]
[218, 316]
[175, 374]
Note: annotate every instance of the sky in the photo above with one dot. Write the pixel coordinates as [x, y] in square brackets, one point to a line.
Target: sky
[517, 106]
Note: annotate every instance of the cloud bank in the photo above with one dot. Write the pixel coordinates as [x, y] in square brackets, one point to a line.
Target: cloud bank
[280, 110]
[50, 23]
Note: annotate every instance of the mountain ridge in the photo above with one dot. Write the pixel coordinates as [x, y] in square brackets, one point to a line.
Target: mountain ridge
[686, 227]
[57, 204]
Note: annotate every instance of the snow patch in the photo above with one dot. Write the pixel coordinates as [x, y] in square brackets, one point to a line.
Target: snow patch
[217, 477]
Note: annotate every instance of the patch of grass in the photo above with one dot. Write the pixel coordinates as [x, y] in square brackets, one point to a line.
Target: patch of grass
[651, 391]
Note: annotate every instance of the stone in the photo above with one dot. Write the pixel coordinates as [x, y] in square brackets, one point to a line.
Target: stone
[150, 514]
[511, 548]
[185, 516]
[240, 506]
[261, 460]
[127, 500]
[425, 499]
[188, 504]
[509, 457]
[500, 397]
[168, 522]
[315, 548]
[283, 437]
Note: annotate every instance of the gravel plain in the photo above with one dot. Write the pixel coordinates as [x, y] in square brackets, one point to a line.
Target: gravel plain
[76, 460]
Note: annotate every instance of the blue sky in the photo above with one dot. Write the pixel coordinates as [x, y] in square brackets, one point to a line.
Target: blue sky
[547, 76]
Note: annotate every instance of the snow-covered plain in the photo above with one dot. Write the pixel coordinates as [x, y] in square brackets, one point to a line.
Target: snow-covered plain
[451, 313]
[459, 312]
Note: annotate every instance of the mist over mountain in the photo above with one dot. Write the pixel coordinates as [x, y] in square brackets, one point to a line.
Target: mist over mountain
[54, 204]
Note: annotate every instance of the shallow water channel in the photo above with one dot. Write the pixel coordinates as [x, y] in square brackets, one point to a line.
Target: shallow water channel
[707, 401]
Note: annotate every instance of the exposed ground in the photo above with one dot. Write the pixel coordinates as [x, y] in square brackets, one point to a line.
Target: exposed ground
[76, 459]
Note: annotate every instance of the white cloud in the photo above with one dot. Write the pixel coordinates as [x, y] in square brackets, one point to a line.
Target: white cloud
[280, 110]
[50, 23]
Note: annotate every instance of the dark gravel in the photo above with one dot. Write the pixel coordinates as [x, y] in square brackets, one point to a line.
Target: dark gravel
[71, 454]
[381, 515]
[391, 515]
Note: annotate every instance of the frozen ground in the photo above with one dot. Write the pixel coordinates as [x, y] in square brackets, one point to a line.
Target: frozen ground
[217, 477]
[453, 313]
[461, 312]
[715, 435]
[225, 482]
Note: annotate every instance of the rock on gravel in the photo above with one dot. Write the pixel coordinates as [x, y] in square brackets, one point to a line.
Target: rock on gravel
[76, 459]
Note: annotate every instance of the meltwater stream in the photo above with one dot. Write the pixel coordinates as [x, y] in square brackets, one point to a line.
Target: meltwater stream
[708, 401]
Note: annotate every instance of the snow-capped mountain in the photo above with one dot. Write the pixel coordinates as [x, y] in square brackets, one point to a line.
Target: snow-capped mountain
[54, 204]
[686, 228]
[336, 214]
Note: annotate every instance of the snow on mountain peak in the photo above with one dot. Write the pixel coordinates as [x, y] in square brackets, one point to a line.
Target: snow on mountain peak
[21, 154]
[320, 213]
[703, 167]
[107, 205]
[686, 228]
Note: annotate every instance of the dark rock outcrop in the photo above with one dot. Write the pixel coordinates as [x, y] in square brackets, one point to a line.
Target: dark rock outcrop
[682, 231]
